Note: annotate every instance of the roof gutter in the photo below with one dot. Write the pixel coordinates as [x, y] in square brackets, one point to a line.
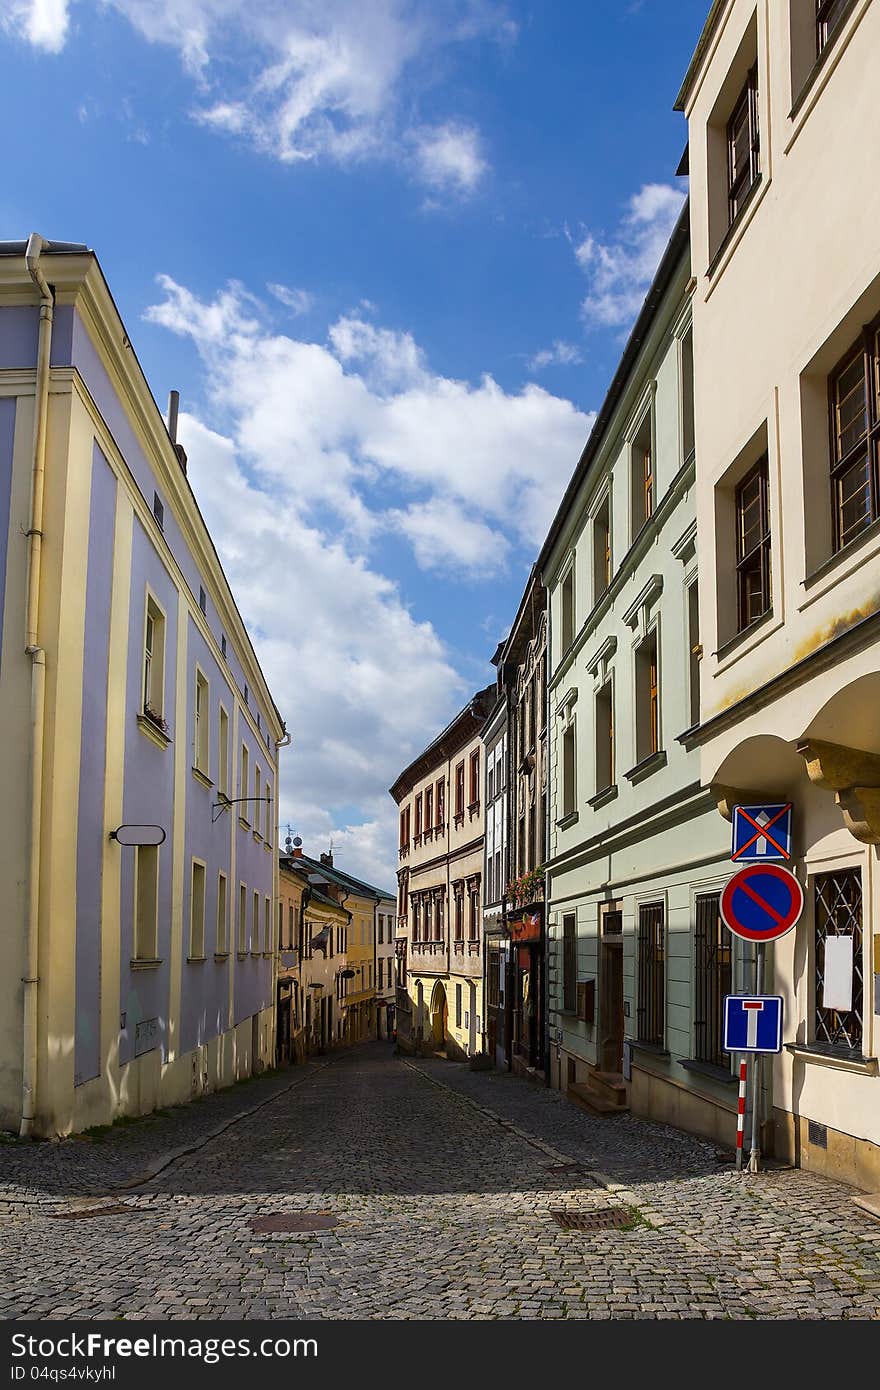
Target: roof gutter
[33, 649]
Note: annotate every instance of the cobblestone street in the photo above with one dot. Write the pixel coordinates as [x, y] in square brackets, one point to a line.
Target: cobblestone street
[444, 1183]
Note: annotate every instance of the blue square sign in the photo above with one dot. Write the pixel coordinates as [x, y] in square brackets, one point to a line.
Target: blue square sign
[752, 1023]
[761, 834]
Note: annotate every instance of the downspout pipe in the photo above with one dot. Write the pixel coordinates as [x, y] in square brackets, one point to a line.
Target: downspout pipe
[33, 649]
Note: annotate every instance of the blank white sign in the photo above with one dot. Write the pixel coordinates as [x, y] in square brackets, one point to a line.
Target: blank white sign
[838, 973]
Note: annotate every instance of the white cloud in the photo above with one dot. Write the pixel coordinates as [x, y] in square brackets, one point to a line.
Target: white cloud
[297, 301]
[559, 355]
[619, 271]
[449, 158]
[304, 454]
[43, 23]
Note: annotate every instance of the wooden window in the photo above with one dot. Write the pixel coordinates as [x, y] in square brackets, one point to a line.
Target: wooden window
[475, 778]
[855, 438]
[459, 789]
[244, 786]
[602, 550]
[458, 1006]
[604, 738]
[255, 926]
[222, 945]
[257, 798]
[267, 925]
[201, 725]
[642, 475]
[438, 917]
[752, 546]
[440, 800]
[418, 828]
[713, 979]
[203, 600]
[154, 660]
[568, 611]
[429, 810]
[687, 396]
[829, 13]
[647, 700]
[197, 911]
[569, 963]
[459, 911]
[159, 511]
[569, 776]
[223, 754]
[743, 147]
[146, 898]
[474, 895]
[652, 974]
[490, 782]
[267, 833]
[404, 838]
[242, 919]
[695, 652]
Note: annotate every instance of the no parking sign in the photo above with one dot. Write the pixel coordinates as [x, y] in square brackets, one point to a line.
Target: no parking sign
[762, 902]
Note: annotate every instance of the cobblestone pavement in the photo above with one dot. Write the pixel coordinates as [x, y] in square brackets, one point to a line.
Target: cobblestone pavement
[444, 1183]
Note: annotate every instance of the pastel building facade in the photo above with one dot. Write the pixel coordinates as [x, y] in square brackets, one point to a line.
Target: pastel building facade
[134, 970]
[781, 102]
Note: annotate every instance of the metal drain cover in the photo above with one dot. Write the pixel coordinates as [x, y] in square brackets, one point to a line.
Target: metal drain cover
[595, 1219]
[304, 1221]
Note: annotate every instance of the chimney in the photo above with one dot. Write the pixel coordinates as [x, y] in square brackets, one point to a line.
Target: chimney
[327, 859]
[297, 853]
[173, 409]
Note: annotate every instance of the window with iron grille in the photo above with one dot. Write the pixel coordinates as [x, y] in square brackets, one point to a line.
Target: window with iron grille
[651, 984]
[752, 546]
[713, 979]
[829, 13]
[569, 963]
[493, 974]
[838, 912]
[854, 390]
[743, 147]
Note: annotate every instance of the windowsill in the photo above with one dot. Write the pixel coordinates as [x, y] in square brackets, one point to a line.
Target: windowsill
[153, 732]
[202, 778]
[221, 955]
[195, 960]
[145, 964]
[841, 564]
[258, 837]
[417, 840]
[242, 955]
[839, 1060]
[833, 46]
[646, 767]
[741, 639]
[473, 808]
[567, 821]
[708, 1069]
[459, 819]
[245, 824]
[224, 798]
[267, 847]
[603, 797]
[734, 232]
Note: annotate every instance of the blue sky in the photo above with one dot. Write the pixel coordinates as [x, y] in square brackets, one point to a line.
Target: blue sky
[388, 252]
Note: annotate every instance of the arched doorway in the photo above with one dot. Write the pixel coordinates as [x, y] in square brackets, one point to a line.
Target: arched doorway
[439, 1015]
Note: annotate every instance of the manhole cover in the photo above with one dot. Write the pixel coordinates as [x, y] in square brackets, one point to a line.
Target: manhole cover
[596, 1219]
[80, 1215]
[309, 1221]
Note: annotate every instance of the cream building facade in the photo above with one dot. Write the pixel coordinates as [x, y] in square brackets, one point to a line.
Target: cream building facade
[439, 799]
[781, 103]
[140, 760]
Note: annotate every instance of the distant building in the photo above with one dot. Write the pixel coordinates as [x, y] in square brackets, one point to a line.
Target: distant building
[497, 984]
[386, 994]
[440, 806]
[140, 760]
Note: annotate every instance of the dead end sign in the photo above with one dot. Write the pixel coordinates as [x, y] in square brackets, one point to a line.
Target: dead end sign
[762, 902]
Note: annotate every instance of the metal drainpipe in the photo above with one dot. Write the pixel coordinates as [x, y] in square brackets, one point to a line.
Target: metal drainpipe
[38, 685]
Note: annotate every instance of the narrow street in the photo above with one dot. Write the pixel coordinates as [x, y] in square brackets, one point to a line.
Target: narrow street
[444, 1183]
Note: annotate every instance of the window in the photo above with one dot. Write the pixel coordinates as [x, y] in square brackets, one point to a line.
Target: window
[201, 725]
[146, 898]
[242, 919]
[752, 546]
[569, 963]
[158, 511]
[499, 886]
[203, 600]
[490, 783]
[604, 738]
[602, 550]
[687, 396]
[244, 785]
[475, 910]
[839, 987]
[829, 13]
[569, 776]
[267, 925]
[855, 438]
[568, 612]
[438, 917]
[223, 643]
[418, 829]
[695, 651]
[713, 979]
[458, 889]
[647, 708]
[267, 832]
[651, 985]
[642, 475]
[459, 789]
[257, 798]
[197, 911]
[222, 945]
[743, 147]
[475, 778]
[255, 926]
[154, 660]
[440, 803]
[458, 1006]
[429, 811]
[223, 754]
[404, 837]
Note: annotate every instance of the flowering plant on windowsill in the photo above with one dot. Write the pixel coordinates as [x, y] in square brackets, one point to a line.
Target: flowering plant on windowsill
[526, 888]
[155, 718]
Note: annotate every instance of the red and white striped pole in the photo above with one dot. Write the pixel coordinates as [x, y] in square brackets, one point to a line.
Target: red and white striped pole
[741, 1114]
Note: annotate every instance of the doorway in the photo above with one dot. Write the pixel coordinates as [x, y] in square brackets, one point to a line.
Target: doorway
[439, 1016]
[610, 1050]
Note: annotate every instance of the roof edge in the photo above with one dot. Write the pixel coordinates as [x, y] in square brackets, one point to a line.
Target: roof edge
[699, 53]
